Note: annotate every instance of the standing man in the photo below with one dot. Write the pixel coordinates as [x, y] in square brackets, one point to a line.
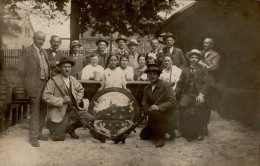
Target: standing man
[133, 54]
[156, 52]
[193, 87]
[60, 118]
[176, 53]
[54, 54]
[157, 110]
[121, 43]
[210, 58]
[79, 59]
[34, 69]
[101, 52]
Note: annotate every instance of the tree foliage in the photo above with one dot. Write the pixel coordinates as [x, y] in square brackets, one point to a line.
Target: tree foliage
[106, 17]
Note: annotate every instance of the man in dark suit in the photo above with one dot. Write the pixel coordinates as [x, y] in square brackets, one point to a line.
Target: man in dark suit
[193, 87]
[54, 54]
[102, 53]
[34, 69]
[156, 52]
[177, 54]
[158, 111]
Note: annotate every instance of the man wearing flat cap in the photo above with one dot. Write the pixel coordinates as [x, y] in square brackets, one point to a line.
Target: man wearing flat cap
[121, 43]
[158, 111]
[193, 88]
[79, 59]
[176, 53]
[101, 52]
[133, 54]
[60, 118]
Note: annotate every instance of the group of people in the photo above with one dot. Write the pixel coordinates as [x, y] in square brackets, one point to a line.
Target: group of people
[51, 81]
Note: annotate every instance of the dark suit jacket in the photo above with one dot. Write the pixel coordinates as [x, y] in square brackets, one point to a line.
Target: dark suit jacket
[202, 80]
[158, 60]
[29, 70]
[178, 57]
[102, 58]
[80, 63]
[52, 61]
[167, 102]
[212, 60]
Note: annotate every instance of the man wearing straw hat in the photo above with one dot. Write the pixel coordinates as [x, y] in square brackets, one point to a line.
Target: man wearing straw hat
[121, 43]
[133, 54]
[193, 88]
[79, 59]
[159, 100]
[101, 52]
[176, 53]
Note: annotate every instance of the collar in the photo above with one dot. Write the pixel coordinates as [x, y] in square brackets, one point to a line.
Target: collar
[38, 49]
[75, 55]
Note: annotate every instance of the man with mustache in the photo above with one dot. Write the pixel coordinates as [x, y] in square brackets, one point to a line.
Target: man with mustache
[54, 54]
[157, 125]
[60, 118]
[34, 70]
[193, 88]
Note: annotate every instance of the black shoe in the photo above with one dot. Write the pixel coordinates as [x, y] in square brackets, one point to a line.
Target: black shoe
[35, 143]
[159, 143]
[73, 135]
[200, 138]
[42, 138]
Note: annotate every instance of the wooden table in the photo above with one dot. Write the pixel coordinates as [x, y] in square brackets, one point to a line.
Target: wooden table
[136, 88]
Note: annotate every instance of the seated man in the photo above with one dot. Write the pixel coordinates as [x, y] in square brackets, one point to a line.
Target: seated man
[92, 71]
[60, 117]
[159, 100]
[193, 86]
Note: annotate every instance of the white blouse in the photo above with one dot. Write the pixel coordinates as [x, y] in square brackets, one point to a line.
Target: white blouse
[171, 76]
[89, 70]
[129, 73]
[113, 78]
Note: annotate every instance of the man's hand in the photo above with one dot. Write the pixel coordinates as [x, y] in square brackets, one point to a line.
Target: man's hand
[66, 99]
[154, 108]
[200, 98]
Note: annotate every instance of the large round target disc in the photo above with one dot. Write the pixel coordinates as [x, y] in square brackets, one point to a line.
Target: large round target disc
[114, 109]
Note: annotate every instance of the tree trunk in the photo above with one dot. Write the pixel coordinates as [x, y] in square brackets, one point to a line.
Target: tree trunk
[74, 20]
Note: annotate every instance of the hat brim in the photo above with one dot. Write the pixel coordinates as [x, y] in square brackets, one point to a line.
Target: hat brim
[194, 53]
[121, 39]
[153, 70]
[61, 63]
[165, 37]
[78, 44]
[101, 40]
[129, 44]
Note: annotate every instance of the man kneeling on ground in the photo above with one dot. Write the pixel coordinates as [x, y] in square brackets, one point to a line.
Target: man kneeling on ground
[60, 117]
[159, 100]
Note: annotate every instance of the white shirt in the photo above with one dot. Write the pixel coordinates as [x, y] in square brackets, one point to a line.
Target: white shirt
[89, 71]
[113, 78]
[67, 81]
[172, 75]
[171, 50]
[129, 73]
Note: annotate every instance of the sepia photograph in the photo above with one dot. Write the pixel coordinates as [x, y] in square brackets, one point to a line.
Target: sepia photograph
[129, 82]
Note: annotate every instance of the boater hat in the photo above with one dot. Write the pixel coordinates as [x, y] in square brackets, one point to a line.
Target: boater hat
[102, 40]
[121, 37]
[75, 43]
[133, 42]
[66, 60]
[153, 67]
[194, 52]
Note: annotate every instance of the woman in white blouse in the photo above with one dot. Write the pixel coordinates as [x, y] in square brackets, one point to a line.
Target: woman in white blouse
[171, 73]
[113, 76]
[129, 71]
[93, 71]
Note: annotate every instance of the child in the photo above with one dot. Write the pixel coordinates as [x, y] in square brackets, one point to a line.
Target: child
[113, 76]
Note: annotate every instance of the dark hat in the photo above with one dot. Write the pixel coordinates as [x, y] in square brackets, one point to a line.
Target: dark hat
[102, 40]
[167, 35]
[66, 60]
[75, 43]
[121, 37]
[153, 67]
[194, 52]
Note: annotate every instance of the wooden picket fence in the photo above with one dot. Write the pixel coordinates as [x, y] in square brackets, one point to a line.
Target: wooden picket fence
[10, 56]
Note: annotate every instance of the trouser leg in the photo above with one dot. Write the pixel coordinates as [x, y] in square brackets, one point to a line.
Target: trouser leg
[42, 116]
[185, 102]
[147, 133]
[158, 122]
[34, 120]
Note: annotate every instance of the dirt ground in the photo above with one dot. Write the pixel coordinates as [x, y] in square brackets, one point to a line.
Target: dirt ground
[229, 144]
